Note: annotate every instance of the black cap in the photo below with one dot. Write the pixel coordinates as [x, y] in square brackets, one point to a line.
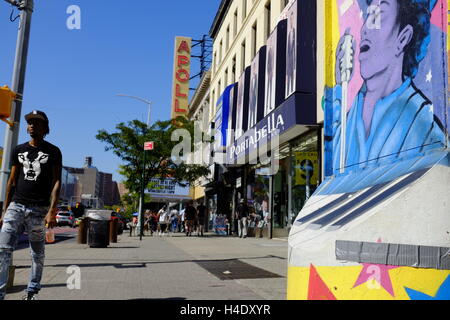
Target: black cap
[36, 114]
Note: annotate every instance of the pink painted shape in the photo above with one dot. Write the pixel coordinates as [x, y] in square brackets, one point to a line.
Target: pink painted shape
[437, 15]
[351, 19]
[367, 273]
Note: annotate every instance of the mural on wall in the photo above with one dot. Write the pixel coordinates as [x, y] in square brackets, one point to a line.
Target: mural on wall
[387, 98]
[368, 281]
[385, 105]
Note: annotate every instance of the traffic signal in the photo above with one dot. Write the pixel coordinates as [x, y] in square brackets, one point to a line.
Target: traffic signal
[6, 98]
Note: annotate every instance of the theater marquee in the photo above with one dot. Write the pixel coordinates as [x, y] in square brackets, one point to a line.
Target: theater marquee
[181, 76]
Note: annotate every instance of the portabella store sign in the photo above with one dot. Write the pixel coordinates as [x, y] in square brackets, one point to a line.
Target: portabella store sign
[264, 136]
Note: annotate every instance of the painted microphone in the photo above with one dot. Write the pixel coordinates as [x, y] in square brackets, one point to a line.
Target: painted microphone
[346, 68]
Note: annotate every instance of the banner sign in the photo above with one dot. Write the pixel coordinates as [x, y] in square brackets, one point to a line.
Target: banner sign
[221, 119]
[256, 92]
[181, 77]
[167, 188]
[277, 122]
[275, 68]
[242, 103]
[300, 54]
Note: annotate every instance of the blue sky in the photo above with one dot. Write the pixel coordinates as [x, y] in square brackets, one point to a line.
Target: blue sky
[73, 75]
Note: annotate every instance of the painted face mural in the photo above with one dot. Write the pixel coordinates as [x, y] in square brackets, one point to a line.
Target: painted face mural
[379, 45]
[388, 99]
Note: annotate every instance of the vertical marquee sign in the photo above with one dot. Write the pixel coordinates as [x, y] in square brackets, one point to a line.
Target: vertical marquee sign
[181, 76]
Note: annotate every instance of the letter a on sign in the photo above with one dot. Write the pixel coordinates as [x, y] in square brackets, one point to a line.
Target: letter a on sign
[148, 145]
[184, 47]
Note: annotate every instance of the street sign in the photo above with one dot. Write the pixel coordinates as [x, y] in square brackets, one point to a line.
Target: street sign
[148, 145]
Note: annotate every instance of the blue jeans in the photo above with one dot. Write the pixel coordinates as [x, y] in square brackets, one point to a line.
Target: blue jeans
[17, 219]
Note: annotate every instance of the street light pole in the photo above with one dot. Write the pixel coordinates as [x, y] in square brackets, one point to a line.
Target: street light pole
[17, 86]
[142, 196]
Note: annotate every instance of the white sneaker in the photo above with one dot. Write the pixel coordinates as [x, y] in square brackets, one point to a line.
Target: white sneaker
[30, 296]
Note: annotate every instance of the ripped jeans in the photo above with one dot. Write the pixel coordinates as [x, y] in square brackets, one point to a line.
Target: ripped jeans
[17, 219]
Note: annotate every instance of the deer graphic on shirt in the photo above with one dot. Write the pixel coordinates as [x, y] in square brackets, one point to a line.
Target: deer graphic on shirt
[32, 169]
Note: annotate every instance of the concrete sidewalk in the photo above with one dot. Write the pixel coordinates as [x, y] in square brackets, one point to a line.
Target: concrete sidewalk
[169, 267]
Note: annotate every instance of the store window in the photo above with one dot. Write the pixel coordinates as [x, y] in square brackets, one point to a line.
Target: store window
[258, 195]
[280, 188]
[305, 170]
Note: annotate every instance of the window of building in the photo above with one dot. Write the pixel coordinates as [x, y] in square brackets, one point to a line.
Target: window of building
[227, 39]
[233, 69]
[225, 78]
[220, 51]
[219, 89]
[235, 22]
[244, 9]
[243, 56]
[267, 18]
[254, 35]
[213, 103]
[284, 3]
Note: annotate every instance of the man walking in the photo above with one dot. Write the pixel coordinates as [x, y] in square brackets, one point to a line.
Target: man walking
[190, 216]
[242, 216]
[201, 214]
[31, 199]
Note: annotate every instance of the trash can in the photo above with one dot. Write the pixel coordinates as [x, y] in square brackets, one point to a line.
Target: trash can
[98, 233]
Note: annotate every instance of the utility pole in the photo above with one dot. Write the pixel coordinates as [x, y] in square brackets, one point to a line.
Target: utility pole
[18, 82]
[142, 195]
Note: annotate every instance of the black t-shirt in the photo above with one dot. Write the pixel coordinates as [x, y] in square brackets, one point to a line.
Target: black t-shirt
[242, 210]
[201, 210]
[190, 213]
[34, 184]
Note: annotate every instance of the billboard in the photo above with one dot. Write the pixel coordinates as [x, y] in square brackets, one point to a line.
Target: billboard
[232, 113]
[242, 103]
[301, 48]
[275, 68]
[167, 189]
[221, 119]
[181, 77]
[256, 91]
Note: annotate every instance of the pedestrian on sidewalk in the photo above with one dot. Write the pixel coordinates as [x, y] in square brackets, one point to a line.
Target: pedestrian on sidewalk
[163, 221]
[174, 219]
[201, 214]
[153, 220]
[32, 195]
[182, 226]
[242, 214]
[190, 216]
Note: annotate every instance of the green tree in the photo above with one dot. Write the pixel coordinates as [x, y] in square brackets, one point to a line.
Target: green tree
[127, 142]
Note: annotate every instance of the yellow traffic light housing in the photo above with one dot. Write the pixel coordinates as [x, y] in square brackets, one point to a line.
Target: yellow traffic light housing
[6, 99]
